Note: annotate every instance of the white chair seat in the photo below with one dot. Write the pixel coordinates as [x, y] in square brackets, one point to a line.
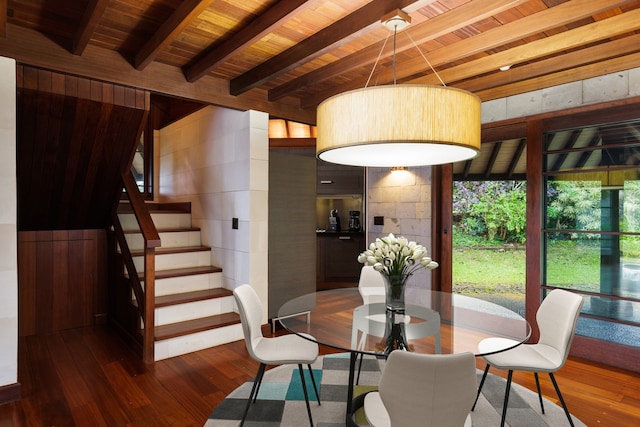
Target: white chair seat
[378, 416]
[531, 357]
[285, 350]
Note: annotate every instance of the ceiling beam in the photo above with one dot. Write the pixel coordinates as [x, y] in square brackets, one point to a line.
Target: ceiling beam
[272, 18]
[588, 55]
[572, 39]
[87, 25]
[571, 142]
[492, 159]
[433, 28]
[33, 48]
[340, 32]
[292, 143]
[512, 32]
[522, 144]
[3, 18]
[169, 30]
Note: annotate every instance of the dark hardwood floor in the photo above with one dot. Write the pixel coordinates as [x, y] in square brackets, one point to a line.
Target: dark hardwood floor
[88, 377]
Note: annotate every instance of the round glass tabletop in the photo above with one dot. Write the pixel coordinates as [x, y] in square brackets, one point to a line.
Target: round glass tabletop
[432, 322]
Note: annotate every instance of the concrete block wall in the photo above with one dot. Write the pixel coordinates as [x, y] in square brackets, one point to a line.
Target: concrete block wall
[403, 199]
[218, 159]
[608, 87]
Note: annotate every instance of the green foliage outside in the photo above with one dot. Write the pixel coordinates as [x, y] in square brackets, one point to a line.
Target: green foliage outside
[490, 230]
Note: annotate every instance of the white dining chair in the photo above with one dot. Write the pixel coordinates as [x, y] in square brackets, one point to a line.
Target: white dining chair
[425, 390]
[281, 350]
[557, 317]
[371, 285]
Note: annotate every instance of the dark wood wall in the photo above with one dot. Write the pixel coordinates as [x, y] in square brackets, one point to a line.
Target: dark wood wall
[75, 138]
[62, 277]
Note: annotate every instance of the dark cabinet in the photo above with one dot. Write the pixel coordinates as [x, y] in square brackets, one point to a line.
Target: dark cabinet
[338, 257]
[339, 179]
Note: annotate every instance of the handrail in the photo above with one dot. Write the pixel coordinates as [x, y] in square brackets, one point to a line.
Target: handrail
[144, 297]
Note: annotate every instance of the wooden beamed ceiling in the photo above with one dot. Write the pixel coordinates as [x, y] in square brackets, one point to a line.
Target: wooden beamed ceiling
[285, 57]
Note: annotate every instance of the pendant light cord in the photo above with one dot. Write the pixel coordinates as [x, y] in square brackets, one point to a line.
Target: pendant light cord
[423, 57]
[393, 63]
[377, 60]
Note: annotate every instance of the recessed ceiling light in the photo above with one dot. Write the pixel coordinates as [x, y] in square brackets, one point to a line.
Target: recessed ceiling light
[505, 67]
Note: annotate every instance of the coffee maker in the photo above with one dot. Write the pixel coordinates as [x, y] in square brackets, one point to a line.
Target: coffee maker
[334, 221]
[354, 221]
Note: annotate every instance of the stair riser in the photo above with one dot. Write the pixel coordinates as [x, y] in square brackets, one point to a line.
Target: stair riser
[174, 239]
[177, 260]
[189, 343]
[161, 220]
[193, 310]
[195, 282]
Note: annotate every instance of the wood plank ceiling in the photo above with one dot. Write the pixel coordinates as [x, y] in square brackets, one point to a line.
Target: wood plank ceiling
[285, 57]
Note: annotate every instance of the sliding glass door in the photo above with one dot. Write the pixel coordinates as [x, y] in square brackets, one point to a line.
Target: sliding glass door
[591, 234]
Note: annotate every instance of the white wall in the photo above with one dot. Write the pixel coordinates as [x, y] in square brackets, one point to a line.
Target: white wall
[8, 230]
[218, 159]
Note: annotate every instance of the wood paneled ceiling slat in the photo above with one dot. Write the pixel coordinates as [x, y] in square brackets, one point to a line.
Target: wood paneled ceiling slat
[353, 25]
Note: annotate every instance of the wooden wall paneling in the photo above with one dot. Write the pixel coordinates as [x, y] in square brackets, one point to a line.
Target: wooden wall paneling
[45, 301]
[74, 162]
[62, 280]
[54, 159]
[27, 279]
[25, 160]
[62, 286]
[71, 85]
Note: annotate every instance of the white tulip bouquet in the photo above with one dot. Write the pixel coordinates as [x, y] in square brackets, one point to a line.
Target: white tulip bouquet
[393, 256]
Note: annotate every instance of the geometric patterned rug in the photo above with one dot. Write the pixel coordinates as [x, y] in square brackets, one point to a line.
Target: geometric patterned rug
[281, 401]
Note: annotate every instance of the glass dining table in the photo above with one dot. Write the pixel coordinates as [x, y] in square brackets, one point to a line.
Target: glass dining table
[432, 322]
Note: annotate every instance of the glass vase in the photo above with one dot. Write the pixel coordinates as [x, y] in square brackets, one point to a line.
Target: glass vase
[394, 286]
[395, 337]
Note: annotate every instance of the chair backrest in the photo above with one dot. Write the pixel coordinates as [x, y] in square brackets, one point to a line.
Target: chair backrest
[557, 317]
[250, 310]
[428, 389]
[371, 285]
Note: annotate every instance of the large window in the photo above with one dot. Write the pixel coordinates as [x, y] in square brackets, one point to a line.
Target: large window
[591, 234]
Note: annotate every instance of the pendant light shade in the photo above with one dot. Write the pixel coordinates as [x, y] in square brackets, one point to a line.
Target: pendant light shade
[399, 125]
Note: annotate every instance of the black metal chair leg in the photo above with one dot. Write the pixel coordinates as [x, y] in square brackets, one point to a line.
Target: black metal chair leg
[566, 411]
[359, 368]
[306, 396]
[484, 376]
[258, 381]
[313, 381]
[535, 374]
[506, 399]
[254, 391]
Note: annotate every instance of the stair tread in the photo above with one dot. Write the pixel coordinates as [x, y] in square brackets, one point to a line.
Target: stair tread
[184, 297]
[173, 250]
[166, 230]
[187, 271]
[174, 330]
[170, 207]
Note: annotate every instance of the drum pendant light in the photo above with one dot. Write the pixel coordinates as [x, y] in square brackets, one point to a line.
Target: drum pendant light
[399, 125]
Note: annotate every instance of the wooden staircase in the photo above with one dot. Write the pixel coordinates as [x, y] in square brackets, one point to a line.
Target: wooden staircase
[193, 310]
